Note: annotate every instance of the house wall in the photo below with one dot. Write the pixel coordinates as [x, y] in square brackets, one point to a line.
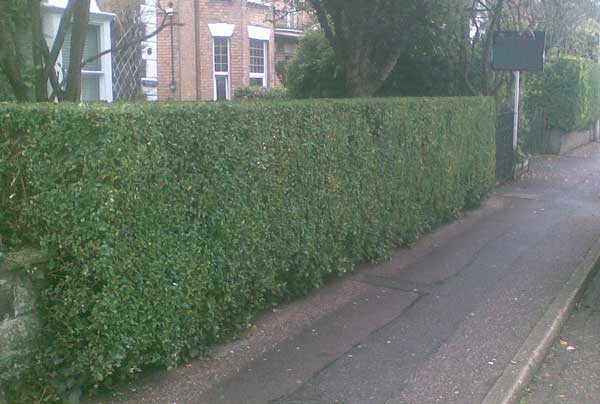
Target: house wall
[193, 41]
[149, 49]
[286, 48]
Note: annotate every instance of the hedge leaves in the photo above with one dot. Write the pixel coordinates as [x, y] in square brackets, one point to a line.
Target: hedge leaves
[172, 225]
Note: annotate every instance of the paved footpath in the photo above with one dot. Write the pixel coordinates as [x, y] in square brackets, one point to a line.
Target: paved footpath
[571, 371]
[438, 323]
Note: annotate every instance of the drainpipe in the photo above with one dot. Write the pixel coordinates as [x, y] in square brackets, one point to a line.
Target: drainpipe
[170, 13]
[597, 123]
[197, 47]
[173, 85]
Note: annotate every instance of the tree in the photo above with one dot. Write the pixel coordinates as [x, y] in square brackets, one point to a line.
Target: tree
[12, 59]
[313, 72]
[368, 37]
[571, 28]
[16, 15]
[485, 17]
[437, 47]
[432, 65]
[389, 47]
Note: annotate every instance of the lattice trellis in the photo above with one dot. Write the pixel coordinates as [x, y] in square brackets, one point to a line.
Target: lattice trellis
[128, 64]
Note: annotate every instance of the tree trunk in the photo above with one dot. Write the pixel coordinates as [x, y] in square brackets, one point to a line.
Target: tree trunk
[81, 18]
[11, 59]
[41, 78]
[12, 71]
[365, 78]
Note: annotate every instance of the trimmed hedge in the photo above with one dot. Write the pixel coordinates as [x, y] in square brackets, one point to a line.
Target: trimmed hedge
[254, 93]
[172, 225]
[568, 92]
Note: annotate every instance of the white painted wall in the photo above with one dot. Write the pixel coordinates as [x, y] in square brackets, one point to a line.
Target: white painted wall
[150, 51]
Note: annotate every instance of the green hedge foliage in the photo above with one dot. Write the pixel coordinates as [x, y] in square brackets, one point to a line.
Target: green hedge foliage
[171, 226]
[568, 92]
[254, 93]
[314, 72]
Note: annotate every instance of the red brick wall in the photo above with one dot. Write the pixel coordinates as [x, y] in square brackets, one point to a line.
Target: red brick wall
[168, 62]
[197, 82]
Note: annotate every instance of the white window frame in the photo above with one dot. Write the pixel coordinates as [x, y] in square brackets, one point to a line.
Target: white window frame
[97, 73]
[264, 74]
[263, 34]
[222, 74]
[260, 2]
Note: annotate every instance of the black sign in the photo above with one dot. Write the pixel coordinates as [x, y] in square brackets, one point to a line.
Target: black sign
[522, 51]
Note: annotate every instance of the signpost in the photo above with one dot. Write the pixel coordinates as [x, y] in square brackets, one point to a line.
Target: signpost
[516, 117]
[518, 51]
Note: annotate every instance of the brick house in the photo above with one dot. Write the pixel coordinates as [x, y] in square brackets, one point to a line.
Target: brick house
[217, 46]
[289, 29]
[212, 48]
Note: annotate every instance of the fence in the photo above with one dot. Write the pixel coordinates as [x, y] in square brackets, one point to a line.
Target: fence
[504, 151]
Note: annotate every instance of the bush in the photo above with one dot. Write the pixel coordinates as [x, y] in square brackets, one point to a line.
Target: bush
[171, 226]
[313, 72]
[254, 93]
[567, 92]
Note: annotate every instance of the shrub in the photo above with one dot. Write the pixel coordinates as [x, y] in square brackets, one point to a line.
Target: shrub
[567, 92]
[313, 72]
[171, 226]
[254, 93]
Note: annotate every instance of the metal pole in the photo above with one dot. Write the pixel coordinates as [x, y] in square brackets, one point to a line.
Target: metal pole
[517, 98]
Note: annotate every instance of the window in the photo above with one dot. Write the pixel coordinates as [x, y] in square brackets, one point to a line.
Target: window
[91, 73]
[221, 68]
[260, 2]
[258, 57]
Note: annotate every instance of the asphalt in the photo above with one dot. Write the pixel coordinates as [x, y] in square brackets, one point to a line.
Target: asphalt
[438, 323]
[571, 371]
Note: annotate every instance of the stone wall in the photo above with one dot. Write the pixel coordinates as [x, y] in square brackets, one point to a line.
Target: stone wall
[18, 322]
[560, 142]
[574, 140]
[556, 141]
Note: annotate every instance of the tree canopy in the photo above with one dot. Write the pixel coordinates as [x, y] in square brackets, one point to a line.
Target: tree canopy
[369, 37]
[441, 47]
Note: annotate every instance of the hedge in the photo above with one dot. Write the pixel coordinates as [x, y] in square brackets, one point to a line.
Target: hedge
[172, 225]
[254, 93]
[568, 92]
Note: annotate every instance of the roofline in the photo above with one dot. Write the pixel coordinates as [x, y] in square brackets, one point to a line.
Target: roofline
[100, 14]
